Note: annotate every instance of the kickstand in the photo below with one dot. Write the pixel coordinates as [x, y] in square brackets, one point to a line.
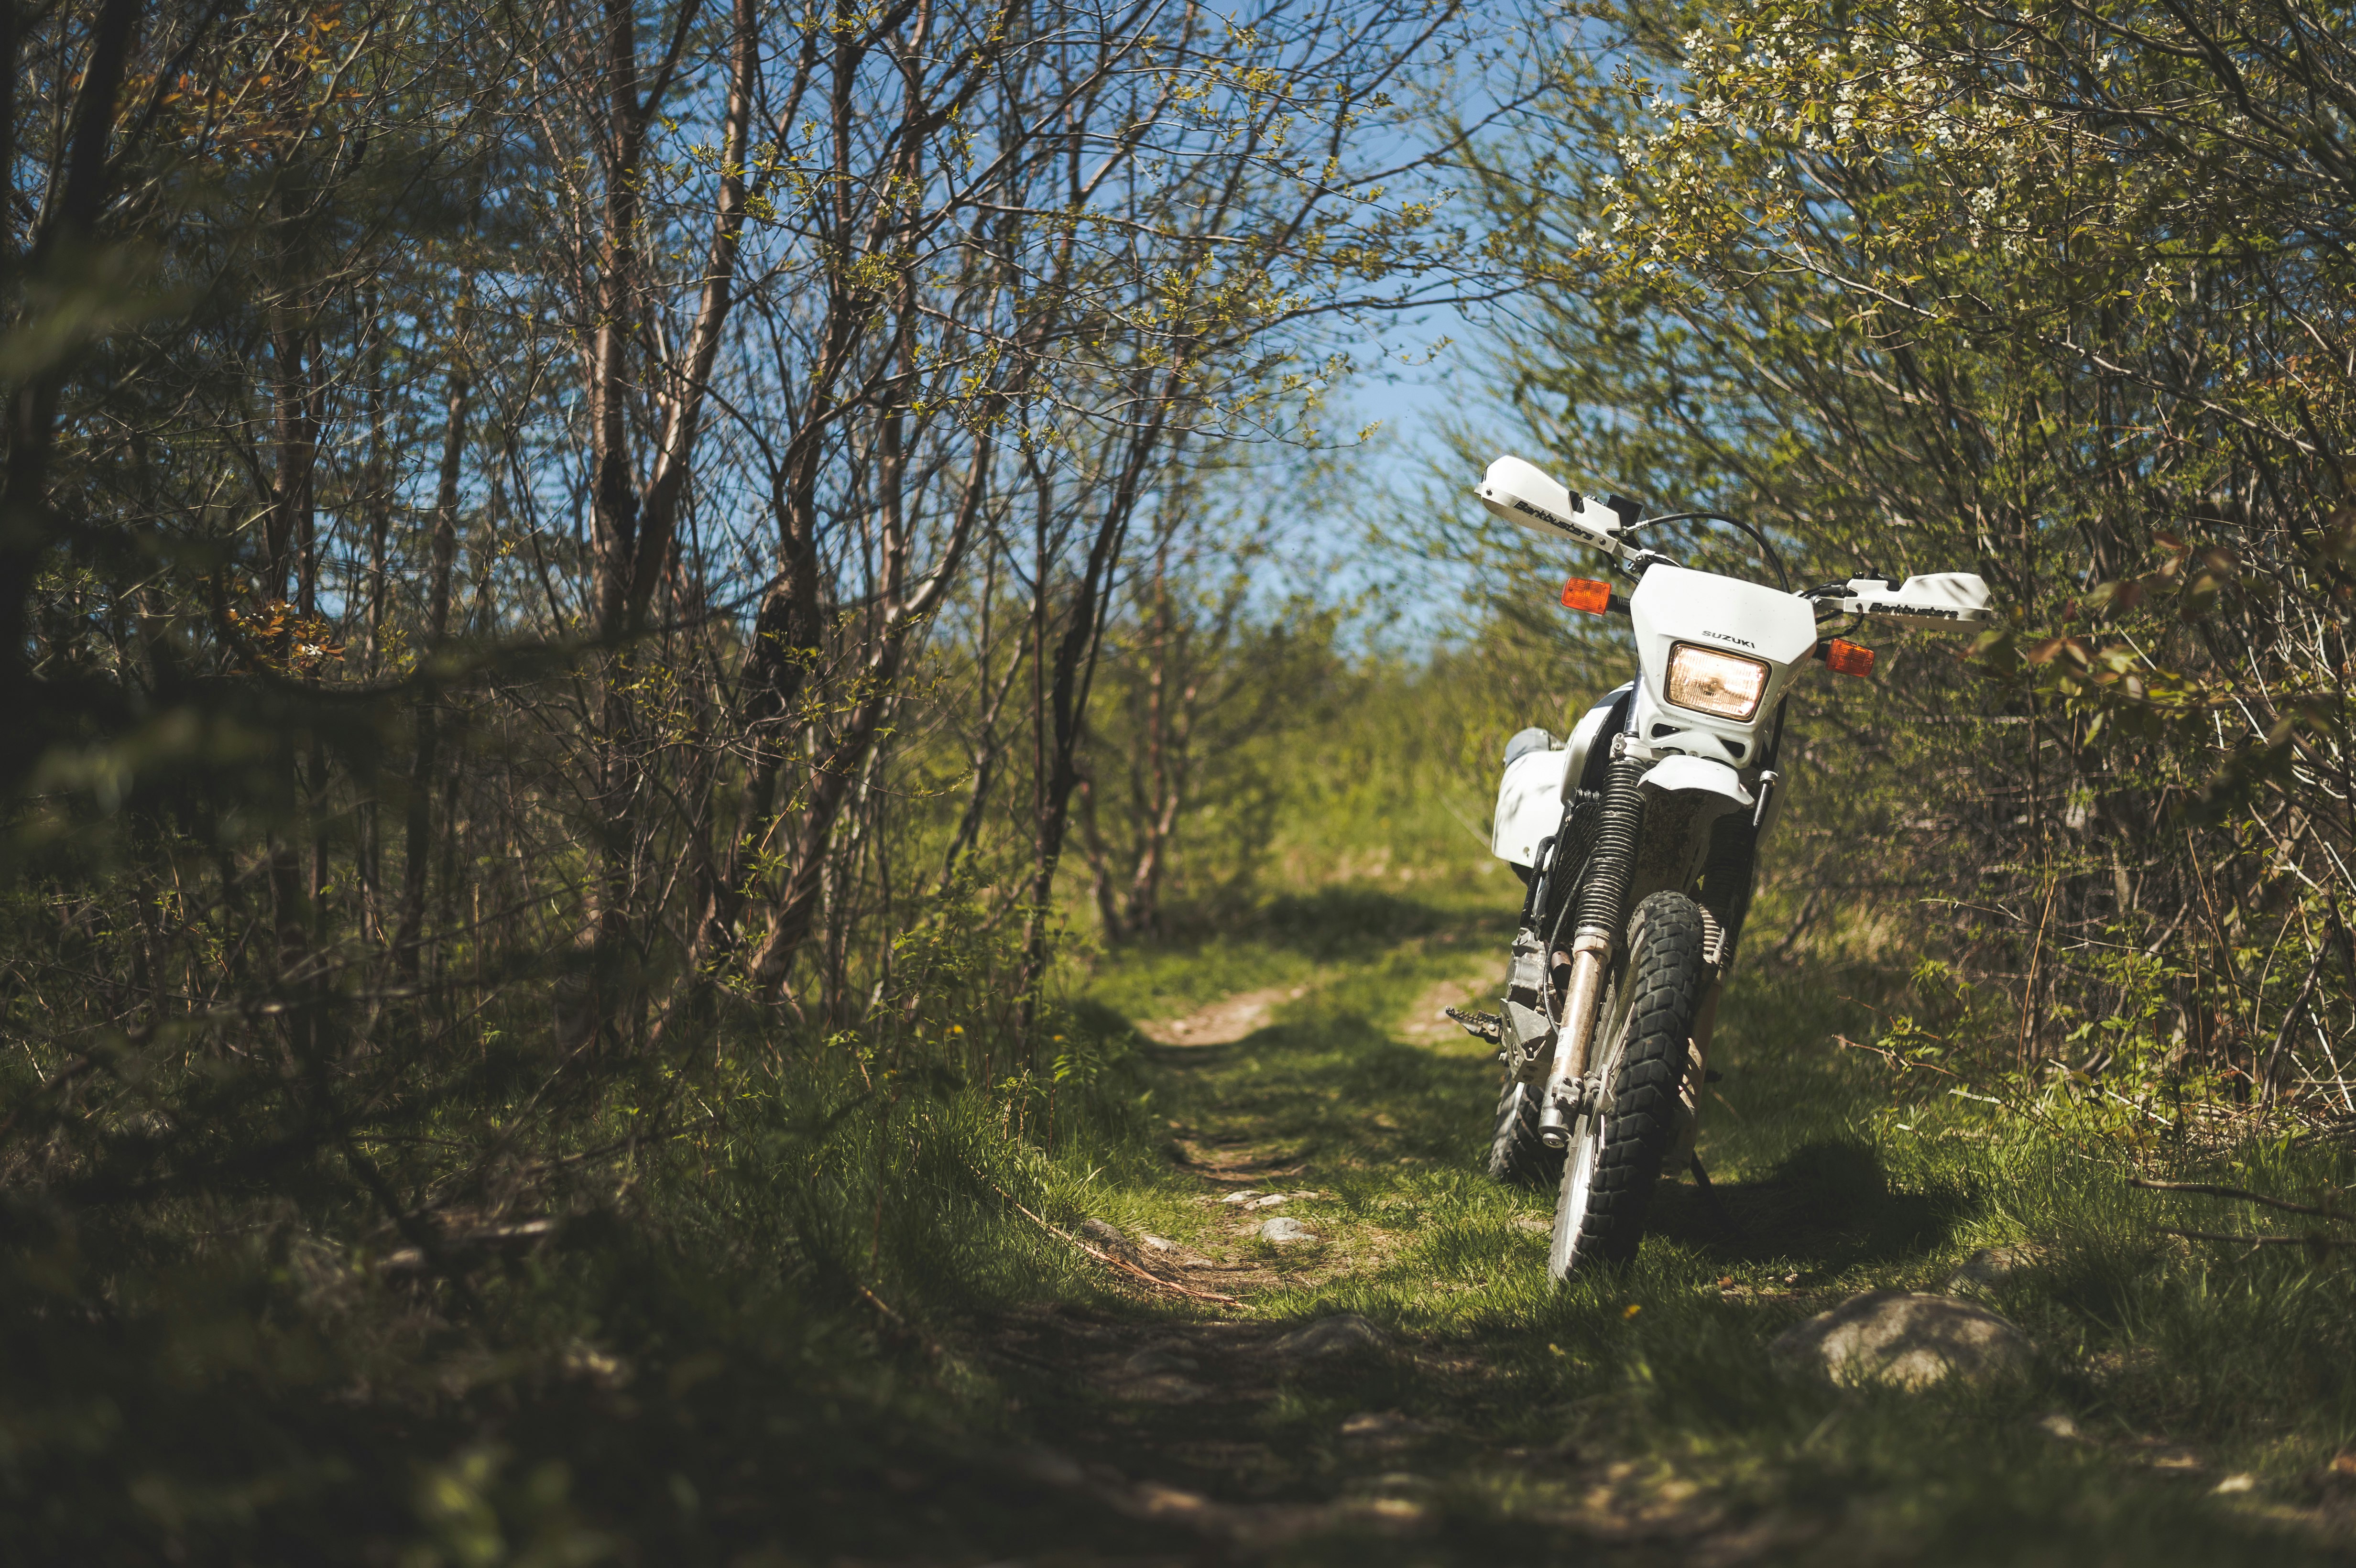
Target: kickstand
[1717, 1205]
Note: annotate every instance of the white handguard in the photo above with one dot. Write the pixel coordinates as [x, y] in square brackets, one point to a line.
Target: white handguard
[1523, 495]
[1942, 601]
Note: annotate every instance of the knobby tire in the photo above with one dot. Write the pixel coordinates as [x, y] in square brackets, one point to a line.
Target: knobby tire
[1607, 1183]
[1518, 1156]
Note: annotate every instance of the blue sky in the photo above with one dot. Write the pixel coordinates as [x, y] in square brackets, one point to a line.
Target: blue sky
[1414, 392]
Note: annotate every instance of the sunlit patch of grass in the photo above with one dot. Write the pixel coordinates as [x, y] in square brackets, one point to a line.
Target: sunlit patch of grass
[1838, 1179]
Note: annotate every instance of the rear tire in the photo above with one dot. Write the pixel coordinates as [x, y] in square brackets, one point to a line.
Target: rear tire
[1607, 1185]
[1518, 1156]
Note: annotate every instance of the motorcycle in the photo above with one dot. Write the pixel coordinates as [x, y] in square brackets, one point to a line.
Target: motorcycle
[1638, 839]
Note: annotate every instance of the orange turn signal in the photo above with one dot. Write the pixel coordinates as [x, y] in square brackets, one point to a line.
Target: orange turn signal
[1581, 594]
[1847, 658]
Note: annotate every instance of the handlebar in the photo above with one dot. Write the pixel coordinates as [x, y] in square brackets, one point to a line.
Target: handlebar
[1525, 495]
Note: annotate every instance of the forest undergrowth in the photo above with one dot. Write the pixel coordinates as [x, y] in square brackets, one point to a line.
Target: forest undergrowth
[883, 1313]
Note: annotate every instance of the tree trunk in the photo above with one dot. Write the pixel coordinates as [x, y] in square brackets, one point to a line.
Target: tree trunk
[418, 840]
[27, 527]
[830, 777]
[1067, 698]
[634, 528]
[377, 507]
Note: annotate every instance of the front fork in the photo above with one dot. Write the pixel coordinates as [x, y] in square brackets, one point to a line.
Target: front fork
[1602, 914]
[1591, 957]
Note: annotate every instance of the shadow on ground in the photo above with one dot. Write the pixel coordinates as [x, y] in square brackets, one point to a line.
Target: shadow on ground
[1463, 1409]
[1826, 1207]
[1334, 1087]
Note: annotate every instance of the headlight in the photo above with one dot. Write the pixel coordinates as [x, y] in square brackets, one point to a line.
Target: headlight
[1707, 681]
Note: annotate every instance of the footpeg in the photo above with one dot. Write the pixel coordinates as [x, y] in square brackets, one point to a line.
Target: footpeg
[1480, 1026]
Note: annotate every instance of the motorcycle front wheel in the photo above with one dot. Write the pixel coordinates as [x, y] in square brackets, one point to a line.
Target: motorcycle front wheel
[1646, 1018]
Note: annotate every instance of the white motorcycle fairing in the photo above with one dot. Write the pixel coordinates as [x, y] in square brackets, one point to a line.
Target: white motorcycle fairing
[1672, 605]
[1706, 754]
[1529, 806]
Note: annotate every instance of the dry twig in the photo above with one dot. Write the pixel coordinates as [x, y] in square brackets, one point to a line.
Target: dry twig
[2211, 1189]
[1118, 1265]
[2253, 1242]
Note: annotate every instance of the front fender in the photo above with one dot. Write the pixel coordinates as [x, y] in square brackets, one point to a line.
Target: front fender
[1719, 786]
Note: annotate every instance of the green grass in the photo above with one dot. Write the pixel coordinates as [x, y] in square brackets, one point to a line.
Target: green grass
[1841, 1179]
[822, 1329]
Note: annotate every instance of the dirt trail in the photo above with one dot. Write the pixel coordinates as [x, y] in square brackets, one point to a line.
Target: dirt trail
[1428, 1023]
[1224, 1401]
[1225, 1021]
[1188, 1415]
[1170, 1422]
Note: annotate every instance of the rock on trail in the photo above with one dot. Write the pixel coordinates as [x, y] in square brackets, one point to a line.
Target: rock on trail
[1164, 1250]
[1909, 1339]
[1283, 1230]
[1112, 1238]
[1993, 1266]
[1341, 1334]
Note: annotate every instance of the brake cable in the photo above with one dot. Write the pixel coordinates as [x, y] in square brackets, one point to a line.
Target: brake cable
[1782, 578]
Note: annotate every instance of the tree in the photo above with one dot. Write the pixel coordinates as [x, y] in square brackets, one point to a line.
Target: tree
[2052, 289]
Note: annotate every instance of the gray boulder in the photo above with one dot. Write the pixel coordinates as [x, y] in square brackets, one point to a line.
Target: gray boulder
[1338, 1334]
[1169, 1254]
[1283, 1230]
[1994, 1267]
[1110, 1238]
[1899, 1337]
